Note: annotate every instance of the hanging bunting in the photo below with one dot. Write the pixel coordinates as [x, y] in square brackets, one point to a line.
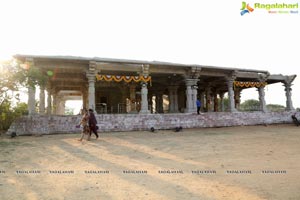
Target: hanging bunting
[127, 79]
[249, 84]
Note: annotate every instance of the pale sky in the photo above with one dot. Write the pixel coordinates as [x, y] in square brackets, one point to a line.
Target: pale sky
[188, 31]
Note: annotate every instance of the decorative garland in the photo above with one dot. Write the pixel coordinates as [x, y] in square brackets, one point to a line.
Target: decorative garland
[249, 84]
[127, 79]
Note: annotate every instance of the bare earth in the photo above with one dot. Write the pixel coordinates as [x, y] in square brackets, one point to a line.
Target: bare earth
[251, 162]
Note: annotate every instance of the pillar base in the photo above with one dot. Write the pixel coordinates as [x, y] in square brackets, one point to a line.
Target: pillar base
[190, 111]
[144, 112]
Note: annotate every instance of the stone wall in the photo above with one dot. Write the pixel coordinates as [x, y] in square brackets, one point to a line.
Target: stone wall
[44, 124]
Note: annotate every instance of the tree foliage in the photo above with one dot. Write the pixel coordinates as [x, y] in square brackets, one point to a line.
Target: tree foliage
[254, 105]
[275, 107]
[250, 105]
[29, 75]
[13, 76]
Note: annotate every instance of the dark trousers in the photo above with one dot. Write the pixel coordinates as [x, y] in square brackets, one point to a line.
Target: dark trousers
[198, 110]
[296, 121]
[93, 129]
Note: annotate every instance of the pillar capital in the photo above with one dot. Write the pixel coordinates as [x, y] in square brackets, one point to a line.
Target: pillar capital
[289, 79]
[193, 72]
[145, 70]
[92, 65]
[263, 77]
[91, 75]
[231, 77]
[191, 82]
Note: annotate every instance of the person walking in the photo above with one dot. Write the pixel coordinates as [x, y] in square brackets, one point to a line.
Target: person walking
[198, 104]
[85, 125]
[92, 123]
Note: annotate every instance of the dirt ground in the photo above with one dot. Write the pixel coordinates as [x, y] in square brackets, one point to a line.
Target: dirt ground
[250, 162]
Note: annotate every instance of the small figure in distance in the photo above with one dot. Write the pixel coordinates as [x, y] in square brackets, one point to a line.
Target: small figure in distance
[93, 123]
[198, 104]
[295, 120]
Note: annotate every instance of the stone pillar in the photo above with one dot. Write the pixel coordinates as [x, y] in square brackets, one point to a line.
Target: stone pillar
[84, 100]
[237, 97]
[132, 98]
[54, 103]
[60, 105]
[49, 102]
[159, 102]
[91, 90]
[230, 94]
[173, 97]
[222, 101]
[144, 99]
[31, 100]
[288, 94]
[202, 101]
[262, 102]
[194, 96]
[216, 102]
[191, 95]
[42, 100]
[208, 99]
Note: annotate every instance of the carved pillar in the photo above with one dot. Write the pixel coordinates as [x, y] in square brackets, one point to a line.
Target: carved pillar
[222, 101]
[60, 105]
[262, 101]
[132, 98]
[231, 94]
[202, 101]
[42, 100]
[31, 89]
[173, 97]
[91, 76]
[288, 88]
[144, 99]
[237, 97]
[49, 101]
[194, 96]
[288, 94]
[191, 95]
[54, 102]
[208, 99]
[31, 100]
[159, 102]
[144, 91]
[215, 101]
[84, 100]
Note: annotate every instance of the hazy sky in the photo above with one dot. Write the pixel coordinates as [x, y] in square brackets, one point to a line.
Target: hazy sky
[187, 31]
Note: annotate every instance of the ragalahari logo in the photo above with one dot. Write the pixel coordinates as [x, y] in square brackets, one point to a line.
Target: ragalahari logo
[246, 8]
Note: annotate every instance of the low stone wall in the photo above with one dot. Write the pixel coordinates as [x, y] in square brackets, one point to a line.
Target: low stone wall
[45, 124]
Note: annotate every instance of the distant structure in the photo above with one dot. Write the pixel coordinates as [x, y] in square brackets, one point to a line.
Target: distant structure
[131, 86]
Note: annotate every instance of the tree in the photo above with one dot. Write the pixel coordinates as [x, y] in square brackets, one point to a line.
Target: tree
[29, 75]
[13, 76]
[275, 107]
[69, 111]
[250, 105]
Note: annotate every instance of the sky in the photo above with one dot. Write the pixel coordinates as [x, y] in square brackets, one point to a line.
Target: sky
[188, 31]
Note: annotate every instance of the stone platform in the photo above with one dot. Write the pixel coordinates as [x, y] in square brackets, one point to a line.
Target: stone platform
[52, 124]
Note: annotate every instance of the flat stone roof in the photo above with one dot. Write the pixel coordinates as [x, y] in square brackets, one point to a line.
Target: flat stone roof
[128, 61]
